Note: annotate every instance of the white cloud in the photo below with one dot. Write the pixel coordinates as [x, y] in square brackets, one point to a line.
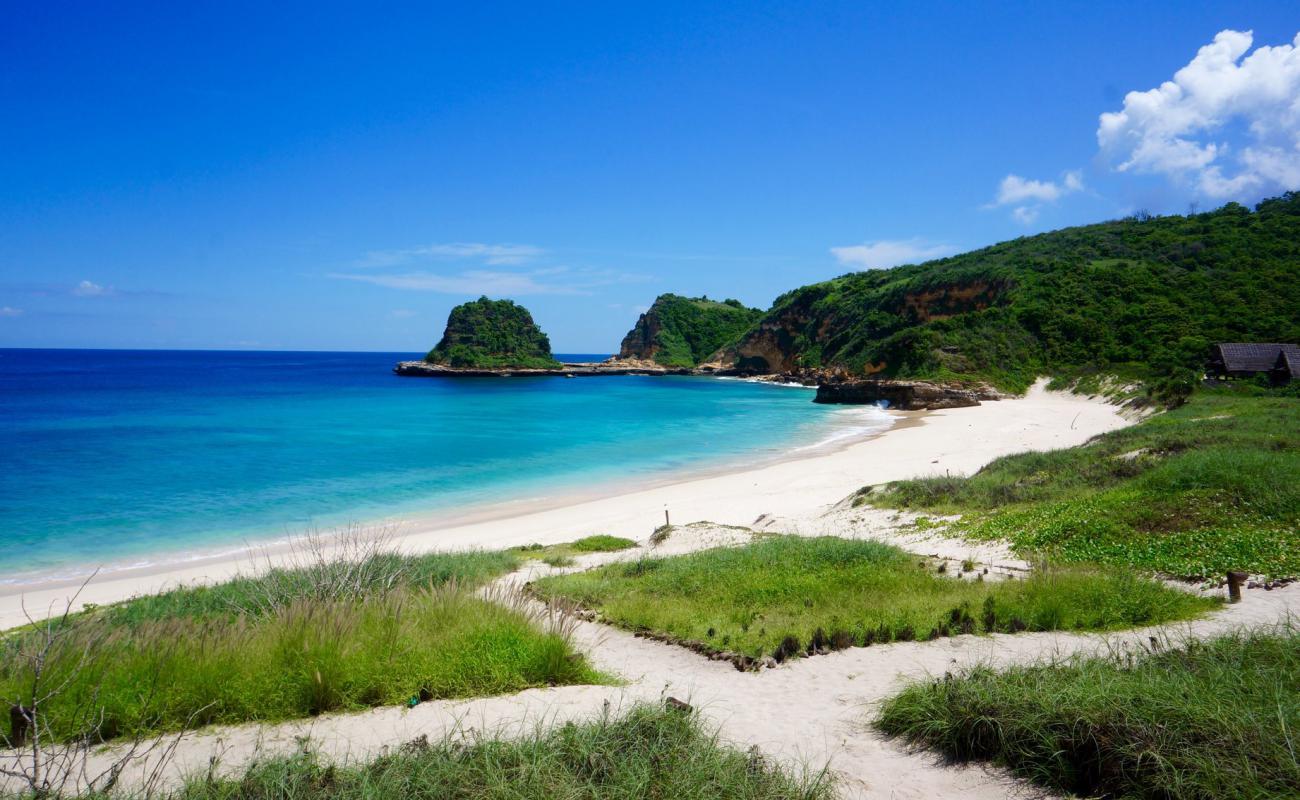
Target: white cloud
[550, 280]
[888, 253]
[1025, 215]
[1015, 189]
[7, 311]
[91, 289]
[490, 254]
[1228, 123]
[1028, 196]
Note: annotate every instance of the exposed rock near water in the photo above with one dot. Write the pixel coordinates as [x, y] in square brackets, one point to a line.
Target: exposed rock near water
[903, 395]
[423, 369]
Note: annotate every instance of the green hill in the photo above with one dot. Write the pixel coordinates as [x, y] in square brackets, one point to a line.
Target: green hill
[492, 333]
[1144, 295]
[681, 331]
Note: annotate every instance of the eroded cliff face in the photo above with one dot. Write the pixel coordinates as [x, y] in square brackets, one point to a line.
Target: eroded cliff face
[842, 327]
[641, 343]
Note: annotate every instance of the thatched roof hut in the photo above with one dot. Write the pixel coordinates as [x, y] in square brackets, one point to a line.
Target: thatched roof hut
[1281, 362]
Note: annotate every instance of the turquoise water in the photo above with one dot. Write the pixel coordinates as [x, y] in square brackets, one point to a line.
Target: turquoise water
[138, 456]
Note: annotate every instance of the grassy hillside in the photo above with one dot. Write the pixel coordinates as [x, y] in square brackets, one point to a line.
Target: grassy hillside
[1192, 492]
[684, 331]
[492, 333]
[1150, 292]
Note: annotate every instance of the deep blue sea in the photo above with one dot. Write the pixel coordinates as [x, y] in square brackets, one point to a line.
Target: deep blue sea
[118, 457]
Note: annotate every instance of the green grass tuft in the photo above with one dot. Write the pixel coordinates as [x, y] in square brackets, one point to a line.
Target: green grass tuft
[1211, 720]
[374, 573]
[645, 753]
[563, 555]
[329, 635]
[602, 543]
[753, 600]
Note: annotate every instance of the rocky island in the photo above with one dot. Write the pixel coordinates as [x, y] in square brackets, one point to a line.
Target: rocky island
[498, 338]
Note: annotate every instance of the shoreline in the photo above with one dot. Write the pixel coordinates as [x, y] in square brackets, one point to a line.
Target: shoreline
[796, 484]
[254, 550]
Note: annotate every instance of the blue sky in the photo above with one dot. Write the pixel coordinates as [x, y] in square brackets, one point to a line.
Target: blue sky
[328, 176]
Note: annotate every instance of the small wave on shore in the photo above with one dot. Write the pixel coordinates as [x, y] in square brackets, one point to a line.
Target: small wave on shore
[850, 424]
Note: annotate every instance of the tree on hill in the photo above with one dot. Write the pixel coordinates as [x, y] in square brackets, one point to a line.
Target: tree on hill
[492, 334]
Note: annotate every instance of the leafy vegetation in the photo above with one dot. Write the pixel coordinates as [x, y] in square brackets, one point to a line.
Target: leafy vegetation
[645, 753]
[785, 594]
[328, 636]
[1210, 720]
[685, 331]
[1193, 492]
[1143, 294]
[489, 334]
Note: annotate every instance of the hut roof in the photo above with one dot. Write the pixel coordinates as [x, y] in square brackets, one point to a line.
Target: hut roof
[1258, 357]
[1289, 360]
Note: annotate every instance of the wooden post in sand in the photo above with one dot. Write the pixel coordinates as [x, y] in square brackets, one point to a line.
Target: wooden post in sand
[666, 522]
[19, 721]
[1235, 580]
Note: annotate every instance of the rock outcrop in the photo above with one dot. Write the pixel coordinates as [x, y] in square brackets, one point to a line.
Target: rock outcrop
[685, 331]
[903, 395]
[492, 335]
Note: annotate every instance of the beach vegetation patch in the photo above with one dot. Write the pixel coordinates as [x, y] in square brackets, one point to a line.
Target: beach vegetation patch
[646, 752]
[1205, 720]
[363, 570]
[288, 645]
[1193, 492]
[786, 595]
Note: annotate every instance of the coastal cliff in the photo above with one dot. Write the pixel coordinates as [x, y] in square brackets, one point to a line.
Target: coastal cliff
[1144, 296]
[684, 332]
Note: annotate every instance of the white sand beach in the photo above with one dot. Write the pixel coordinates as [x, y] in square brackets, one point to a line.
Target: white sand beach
[956, 441]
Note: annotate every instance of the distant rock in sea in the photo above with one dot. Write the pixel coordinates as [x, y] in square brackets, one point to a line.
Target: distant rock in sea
[492, 334]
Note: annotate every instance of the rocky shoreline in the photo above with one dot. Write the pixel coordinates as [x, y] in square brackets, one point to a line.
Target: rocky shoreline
[423, 369]
[833, 388]
[903, 395]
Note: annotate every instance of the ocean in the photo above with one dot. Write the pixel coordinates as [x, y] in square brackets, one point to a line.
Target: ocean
[125, 458]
